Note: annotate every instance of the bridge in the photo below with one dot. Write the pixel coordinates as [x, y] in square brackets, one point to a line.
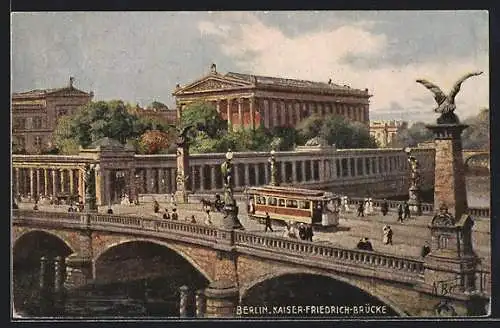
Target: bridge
[477, 160]
[234, 265]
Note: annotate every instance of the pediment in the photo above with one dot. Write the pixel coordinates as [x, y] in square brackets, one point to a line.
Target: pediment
[213, 84]
[68, 92]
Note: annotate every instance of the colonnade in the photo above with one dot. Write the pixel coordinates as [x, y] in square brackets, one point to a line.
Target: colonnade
[272, 112]
[35, 181]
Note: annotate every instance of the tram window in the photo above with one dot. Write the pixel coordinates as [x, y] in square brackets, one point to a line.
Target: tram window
[304, 205]
[281, 203]
[257, 200]
[272, 201]
[263, 200]
[291, 203]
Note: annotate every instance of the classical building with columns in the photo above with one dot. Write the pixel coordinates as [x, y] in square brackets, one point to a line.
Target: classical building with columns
[250, 101]
[35, 114]
[385, 131]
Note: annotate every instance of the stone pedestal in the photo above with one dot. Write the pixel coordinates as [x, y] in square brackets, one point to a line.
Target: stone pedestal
[230, 220]
[414, 200]
[449, 183]
[221, 299]
[78, 271]
[200, 303]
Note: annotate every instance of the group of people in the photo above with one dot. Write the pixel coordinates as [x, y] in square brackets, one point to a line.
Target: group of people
[299, 230]
[403, 211]
[364, 244]
[173, 216]
[387, 232]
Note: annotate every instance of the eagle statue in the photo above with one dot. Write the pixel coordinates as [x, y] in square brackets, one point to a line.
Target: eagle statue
[446, 103]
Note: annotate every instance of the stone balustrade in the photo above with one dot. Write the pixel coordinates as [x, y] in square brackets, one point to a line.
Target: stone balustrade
[427, 208]
[347, 171]
[329, 253]
[322, 254]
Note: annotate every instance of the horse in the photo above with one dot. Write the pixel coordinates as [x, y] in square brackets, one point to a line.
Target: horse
[205, 203]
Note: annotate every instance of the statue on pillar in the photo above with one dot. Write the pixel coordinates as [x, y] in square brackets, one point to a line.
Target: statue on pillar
[446, 103]
[90, 186]
[182, 179]
[414, 200]
[230, 207]
[274, 169]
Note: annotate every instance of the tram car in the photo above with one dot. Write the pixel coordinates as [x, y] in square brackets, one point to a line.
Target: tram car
[316, 207]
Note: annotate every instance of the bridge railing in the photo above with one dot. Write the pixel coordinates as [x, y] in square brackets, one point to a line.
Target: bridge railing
[329, 253]
[427, 208]
[156, 224]
[71, 217]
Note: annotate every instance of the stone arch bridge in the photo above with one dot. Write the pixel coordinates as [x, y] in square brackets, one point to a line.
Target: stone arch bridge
[477, 159]
[234, 262]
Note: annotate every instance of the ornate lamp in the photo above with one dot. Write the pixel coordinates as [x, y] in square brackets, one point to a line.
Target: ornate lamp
[414, 191]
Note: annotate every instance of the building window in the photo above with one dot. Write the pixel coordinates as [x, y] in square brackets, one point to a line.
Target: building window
[37, 123]
[61, 112]
[19, 123]
[18, 144]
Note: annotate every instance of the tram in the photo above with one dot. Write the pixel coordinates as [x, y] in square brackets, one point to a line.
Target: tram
[314, 207]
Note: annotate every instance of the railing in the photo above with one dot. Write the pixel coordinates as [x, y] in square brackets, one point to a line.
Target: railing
[329, 253]
[481, 212]
[427, 208]
[322, 255]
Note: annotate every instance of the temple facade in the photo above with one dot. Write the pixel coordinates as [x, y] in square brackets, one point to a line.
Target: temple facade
[250, 101]
[35, 114]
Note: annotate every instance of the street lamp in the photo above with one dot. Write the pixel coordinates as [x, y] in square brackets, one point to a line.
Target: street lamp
[414, 190]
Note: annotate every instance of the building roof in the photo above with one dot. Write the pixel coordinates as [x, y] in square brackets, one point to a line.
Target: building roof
[283, 82]
[215, 81]
[44, 92]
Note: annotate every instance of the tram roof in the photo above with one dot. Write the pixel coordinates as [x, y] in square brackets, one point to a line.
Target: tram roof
[290, 191]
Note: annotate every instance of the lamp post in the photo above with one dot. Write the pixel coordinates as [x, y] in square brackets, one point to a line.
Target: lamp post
[274, 172]
[414, 191]
[230, 220]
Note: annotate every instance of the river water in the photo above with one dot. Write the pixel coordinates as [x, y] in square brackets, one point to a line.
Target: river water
[159, 297]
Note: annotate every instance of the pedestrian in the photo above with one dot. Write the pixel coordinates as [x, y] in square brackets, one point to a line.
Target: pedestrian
[384, 207]
[208, 218]
[174, 215]
[389, 235]
[166, 215]
[368, 245]
[407, 210]
[35, 207]
[302, 231]
[361, 209]
[370, 206]
[193, 219]
[400, 212]
[268, 223]
[426, 249]
[172, 199]
[309, 232]
[385, 238]
[365, 207]
[361, 244]
[110, 210]
[156, 206]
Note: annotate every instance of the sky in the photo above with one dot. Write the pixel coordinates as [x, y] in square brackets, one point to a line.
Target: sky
[139, 57]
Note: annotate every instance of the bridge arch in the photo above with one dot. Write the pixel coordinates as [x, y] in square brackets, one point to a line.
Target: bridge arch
[175, 249]
[41, 236]
[246, 289]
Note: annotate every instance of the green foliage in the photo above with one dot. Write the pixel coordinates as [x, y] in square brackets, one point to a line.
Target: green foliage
[204, 117]
[336, 130]
[411, 137]
[157, 105]
[96, 120]
[477, 135]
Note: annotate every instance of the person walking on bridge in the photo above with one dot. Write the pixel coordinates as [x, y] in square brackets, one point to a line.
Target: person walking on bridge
[268, 223]
[407, 210]
[384, 207]
[400, 212]
[361, 209]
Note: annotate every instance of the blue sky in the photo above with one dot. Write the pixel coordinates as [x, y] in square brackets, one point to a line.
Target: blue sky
[140, 56]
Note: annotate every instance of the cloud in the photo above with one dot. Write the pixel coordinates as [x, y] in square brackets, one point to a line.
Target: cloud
[260, 48]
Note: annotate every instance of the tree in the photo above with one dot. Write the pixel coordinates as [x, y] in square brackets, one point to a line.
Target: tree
[204, 117]
[411, 137]
[96, 120]
[336, 130]
[477, 135]
[156, 105]
[154, 141]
